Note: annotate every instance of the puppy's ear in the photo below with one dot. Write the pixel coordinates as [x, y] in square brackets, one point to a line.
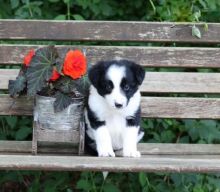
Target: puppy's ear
[95, 72]
[139, 73]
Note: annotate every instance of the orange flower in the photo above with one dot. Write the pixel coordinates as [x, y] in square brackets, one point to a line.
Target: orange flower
[55, 75]
[28, 57]
[74, 64]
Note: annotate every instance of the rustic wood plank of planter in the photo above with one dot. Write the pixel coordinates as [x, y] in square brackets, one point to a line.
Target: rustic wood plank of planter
[107, 31]
[152, 107]
[58, 135]
[157, 82]
[192, 57]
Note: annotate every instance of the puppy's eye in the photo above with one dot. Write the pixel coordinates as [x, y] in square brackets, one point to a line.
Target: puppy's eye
[126, 87]
[108, 86]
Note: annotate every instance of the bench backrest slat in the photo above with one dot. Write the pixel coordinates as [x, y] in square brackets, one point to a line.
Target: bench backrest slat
[106, 31]
[156, 82]
[152, 107]
[192, 57]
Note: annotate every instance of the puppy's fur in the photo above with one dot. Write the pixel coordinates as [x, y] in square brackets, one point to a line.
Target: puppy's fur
[113, 112]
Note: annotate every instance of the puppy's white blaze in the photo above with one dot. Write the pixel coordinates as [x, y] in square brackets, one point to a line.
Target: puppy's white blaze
[130, 142]
[115, 74]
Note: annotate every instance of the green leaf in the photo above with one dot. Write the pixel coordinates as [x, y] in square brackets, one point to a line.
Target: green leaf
[65, 85]
[53, 1]
[196, 32]
[197, 15]
[79, 87]
[78, 17]
[62, 101]
[40, 69]
[12, 121]
[14, 3]
[108, 187]
[22, 133]
[167, 135]
[176, 178]
[66, 1]
[142, 179]
[82, 85]
[84, 185]
[50, 185]
[59, 64]
[60, 17]
[16, 86]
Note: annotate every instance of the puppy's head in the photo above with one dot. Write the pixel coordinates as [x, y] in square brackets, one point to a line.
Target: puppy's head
[116, 81]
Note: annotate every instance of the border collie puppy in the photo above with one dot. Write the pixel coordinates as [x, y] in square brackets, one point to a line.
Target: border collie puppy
[113, 111]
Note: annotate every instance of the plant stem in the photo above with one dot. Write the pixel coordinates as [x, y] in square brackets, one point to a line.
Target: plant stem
[68, 10]
[93, 183]
[153, 6]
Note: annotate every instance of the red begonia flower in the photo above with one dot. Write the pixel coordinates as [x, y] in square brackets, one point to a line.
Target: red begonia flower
[28, 57]
[74, 64]
[55, 75]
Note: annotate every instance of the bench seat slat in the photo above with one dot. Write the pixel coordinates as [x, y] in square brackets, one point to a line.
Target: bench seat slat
[146, 56]
[144, 148]
[106, 31]
[152, 107]
[150, 163]
[157, 82]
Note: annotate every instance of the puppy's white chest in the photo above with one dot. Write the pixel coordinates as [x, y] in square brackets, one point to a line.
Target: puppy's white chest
[116, 125]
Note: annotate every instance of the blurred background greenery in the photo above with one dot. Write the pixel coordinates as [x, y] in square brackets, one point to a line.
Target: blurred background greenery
[157, 130]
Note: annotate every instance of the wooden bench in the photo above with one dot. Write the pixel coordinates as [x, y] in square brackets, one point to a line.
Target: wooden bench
[14, 35]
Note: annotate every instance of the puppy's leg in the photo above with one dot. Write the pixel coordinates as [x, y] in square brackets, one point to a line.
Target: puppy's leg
[103, 142]
[130, 142]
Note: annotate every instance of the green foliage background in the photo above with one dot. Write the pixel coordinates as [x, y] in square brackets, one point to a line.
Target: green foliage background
[184, 131]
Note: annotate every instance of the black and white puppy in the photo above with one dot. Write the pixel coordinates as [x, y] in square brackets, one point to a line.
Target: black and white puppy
[113, 112]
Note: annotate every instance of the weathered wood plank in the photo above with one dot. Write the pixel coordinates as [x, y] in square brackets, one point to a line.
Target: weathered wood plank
[189, 108]
[21, 147]
[178, 149]
[18, 106]
[157, 82]
[144, 148]
[152, 107]
[106, 31]
[151, 163]
[180, 82]
[58, 136]
[146, 56]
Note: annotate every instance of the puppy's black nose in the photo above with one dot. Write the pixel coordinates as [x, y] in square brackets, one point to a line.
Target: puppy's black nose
[118, 105]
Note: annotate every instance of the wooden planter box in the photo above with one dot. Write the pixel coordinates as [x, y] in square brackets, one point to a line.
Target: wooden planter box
[58, 129]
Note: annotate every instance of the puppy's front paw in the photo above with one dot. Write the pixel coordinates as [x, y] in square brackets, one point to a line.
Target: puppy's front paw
[129, 153]
[106, 152]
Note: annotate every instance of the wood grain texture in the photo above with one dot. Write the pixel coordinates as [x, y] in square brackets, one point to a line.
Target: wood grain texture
[106, 31]
[146, 56]
[152, 107]
[144, 148]
[18, 106]
[150, 163]
[21, 147]
[58, 135]
[186, 108]
[156, 82]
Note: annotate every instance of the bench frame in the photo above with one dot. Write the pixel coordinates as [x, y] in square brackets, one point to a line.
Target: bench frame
[16, 155]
